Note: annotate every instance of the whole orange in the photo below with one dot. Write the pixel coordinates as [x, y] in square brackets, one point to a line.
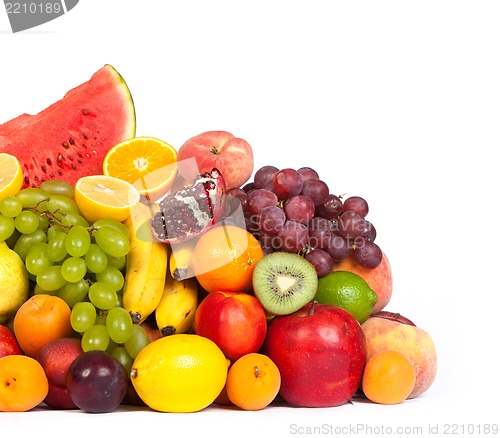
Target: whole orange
[224, 259]
[24, 384]
[42, 319]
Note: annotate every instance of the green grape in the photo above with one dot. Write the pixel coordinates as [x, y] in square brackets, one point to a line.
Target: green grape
[62, 204]
[112, 277]
[117, 262]
[56, 248]
[12, 240]
[43, 221]
[95, 338]
[73, 293]
[112, 241]
[33, 197]
[119, 302]
[7, 227]
[96, 259]
[51, 278]
[37, 290]
[58, 187]
[73, 269]
[11, 206]
[77, 241]
[37, 259]
[26, 222]
[54, 229]
[119, 325]
[26, 241]
[74, 219]
[102, 296]
[120, 353]
[83, 316]
[118, 226]
[137, 341]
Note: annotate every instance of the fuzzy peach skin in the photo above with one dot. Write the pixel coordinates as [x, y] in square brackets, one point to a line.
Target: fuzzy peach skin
[413, 342]
[379, 279]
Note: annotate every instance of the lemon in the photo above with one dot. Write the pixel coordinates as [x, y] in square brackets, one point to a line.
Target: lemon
[11, 175]
[349, 291]
[105, 197]
[179, 373]
[14, 282]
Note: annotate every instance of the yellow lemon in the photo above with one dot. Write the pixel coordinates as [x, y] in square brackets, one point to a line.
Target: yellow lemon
[11, 175]
[179, 373]
[105, 197]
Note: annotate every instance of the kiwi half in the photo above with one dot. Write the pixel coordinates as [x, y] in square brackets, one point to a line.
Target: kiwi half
[284, 282]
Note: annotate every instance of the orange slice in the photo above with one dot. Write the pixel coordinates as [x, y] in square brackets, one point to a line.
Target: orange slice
[148, 163]
[105, 197]
[11, 175]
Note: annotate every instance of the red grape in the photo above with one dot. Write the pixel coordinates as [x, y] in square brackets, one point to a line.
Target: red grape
[321, 260]
[299, 208]
[307, 173]
[317, 190]
[264, 175]
[287, 183]
[331, 209]
[271, 219]
[293, 237]
[320, 232]
[357, 204]
[260, 198]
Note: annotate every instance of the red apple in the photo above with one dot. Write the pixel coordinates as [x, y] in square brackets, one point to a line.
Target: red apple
[8, 342]
[56, 358]
[235, 321]
[231, 155]
[320, 351]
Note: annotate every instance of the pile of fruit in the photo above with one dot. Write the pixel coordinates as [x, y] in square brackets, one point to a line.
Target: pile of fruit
[135, 273]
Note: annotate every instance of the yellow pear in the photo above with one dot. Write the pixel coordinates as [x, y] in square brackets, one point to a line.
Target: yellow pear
[14, 282]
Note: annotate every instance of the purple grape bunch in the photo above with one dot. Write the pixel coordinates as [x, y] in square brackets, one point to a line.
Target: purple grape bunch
[293, 210]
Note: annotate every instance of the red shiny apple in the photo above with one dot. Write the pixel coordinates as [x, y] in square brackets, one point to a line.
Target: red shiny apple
[320, 351]
[8, 342]
[220, 149]
[235, 321]
[56, 358]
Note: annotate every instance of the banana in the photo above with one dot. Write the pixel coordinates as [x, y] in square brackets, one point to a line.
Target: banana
[180, 264]
[175, 313]
[147, 265]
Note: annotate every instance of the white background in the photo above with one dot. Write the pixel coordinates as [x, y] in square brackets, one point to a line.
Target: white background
[395, 101]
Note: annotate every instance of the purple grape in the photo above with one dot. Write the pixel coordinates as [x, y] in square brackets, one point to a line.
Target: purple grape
[235, 198]
[338, 247]
[271, 219]
[287, 183]
[299, 208]
[369, 232]
[317, 190]
[368, 254]
[97, 382]
[320, 232]
[260, 198]
[321, 260]
[331, 209]
[248, 187]
[293, 237]
[264, 175]
[351, 224]
[357, 204]
[307, 173]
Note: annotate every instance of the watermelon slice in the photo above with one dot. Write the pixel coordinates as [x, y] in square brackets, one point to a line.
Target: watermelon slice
[70, 138]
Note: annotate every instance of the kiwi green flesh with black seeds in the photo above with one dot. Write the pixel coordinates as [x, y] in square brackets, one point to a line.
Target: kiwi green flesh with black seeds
[284, 282]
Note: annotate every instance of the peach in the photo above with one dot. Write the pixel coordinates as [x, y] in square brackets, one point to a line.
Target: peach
[379, 279]
[392, 332]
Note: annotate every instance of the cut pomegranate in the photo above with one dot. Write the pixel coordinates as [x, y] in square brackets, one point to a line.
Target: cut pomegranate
[190, 210]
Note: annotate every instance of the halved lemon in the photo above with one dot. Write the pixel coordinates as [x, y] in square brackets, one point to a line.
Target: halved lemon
[105, 197]
[11, 175]
[148, 163]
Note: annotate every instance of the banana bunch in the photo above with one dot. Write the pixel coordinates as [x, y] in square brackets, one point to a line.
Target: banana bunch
[147, 265]
[177, 307]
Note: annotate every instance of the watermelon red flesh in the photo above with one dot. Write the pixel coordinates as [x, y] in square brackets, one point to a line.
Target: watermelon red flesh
[70, 138]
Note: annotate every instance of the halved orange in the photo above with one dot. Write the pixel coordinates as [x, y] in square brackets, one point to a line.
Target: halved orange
[105, 197]
[11, 175]
[148, 163]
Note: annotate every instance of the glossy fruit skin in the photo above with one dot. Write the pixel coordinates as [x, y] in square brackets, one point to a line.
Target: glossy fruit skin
[321, 354]
[231, 155]
[235, 321]
[97, 382]
[8, 342]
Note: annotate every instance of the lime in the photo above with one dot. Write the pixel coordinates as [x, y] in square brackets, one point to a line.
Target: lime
[349, 291]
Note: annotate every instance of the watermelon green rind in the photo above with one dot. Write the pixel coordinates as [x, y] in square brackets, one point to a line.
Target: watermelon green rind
[71, 137]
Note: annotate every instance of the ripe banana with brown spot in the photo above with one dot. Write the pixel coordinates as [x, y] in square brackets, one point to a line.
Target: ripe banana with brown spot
[175, 313]
[181, 259]
[147, 265]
